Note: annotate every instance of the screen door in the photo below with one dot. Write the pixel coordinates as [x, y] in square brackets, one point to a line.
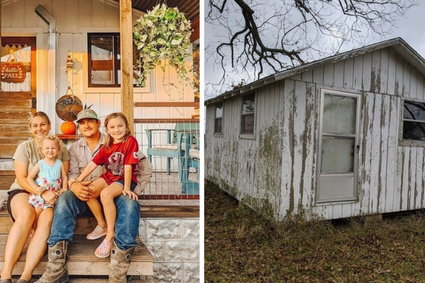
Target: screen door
[338, 147]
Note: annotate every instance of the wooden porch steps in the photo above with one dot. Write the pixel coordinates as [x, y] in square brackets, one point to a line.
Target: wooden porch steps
[82, 261]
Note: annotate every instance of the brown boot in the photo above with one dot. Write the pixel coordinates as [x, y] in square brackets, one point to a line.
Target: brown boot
[56, 271]
[120, 261]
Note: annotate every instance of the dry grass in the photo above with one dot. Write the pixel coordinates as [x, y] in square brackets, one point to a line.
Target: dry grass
[240, 246]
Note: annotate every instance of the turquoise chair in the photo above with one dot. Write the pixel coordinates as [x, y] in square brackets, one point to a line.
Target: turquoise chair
[176, 141]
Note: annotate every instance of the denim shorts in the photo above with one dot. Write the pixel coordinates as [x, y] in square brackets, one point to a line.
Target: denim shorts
[132, 186]
[9, 199]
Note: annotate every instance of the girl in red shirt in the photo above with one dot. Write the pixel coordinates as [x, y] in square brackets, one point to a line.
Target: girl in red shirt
[119, 156]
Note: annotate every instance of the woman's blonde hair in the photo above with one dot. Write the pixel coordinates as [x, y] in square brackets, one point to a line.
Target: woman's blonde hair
[50, 138]
[40, 114]
[109, 139]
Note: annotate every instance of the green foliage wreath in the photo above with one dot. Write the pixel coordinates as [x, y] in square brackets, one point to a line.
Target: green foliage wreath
[162, 33]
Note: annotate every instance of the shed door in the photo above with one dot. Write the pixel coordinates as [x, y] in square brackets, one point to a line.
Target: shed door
[338, 147]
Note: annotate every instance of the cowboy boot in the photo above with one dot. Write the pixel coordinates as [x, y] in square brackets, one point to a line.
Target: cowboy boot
[120, 261]
[56, 271]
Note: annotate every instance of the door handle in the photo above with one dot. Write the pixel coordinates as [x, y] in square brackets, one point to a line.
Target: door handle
[357, 148]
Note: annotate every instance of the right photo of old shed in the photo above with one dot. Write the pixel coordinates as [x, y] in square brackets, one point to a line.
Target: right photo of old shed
[338, 137]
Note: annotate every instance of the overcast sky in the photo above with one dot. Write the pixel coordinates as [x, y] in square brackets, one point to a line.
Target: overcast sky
[411, 28]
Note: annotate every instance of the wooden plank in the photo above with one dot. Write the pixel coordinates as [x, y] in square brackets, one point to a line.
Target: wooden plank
[384, 71]
[16, 104]
[7, 150]
[348, 73]
[82, 261]
[405, 179]
[383, 186]
[412, 178]
[375, 154]
[406, 80]
[11, 115]
[392, 176]
[413, 82]
[392, 64]
[339, 74]
[10, 127]
[318, 75]
[166, 104]
[358, 72]
[307, 76]
[367, 69]
[375, 85]
[126, 47]
[166, 120]
[309, 144]
[367, 119]
[398, 189]
[299, 132]
[329, 74]
[15, 95]
[196, 29]
[169, 211]
[419, 175]
[398, 83]
[287, 198]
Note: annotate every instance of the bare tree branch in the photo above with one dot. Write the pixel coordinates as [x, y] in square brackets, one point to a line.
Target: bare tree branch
[301, 27]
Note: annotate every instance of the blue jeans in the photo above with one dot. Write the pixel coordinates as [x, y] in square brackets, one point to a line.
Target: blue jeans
[69, 207]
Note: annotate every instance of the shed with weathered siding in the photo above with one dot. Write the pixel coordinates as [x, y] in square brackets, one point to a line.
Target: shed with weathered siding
[339, 137]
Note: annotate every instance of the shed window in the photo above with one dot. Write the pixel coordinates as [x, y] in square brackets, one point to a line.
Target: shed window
[414, 120]
[104, 60]
[218, 122]
[248, 114]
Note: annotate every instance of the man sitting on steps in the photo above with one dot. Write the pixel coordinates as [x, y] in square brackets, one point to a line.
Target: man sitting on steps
[73, 203]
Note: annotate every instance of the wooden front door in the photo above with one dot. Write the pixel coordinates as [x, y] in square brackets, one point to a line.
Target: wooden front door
[17, 91]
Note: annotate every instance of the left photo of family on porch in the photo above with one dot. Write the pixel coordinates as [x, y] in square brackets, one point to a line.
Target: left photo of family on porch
[99, 141]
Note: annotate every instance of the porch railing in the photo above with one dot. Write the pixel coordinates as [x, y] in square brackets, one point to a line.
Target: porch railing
[172, 145]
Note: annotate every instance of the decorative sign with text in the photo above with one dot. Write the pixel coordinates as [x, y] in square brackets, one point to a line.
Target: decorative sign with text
[12, 72]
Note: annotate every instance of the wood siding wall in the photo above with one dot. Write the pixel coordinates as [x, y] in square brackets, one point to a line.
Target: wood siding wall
[390, 175]
[74, 20]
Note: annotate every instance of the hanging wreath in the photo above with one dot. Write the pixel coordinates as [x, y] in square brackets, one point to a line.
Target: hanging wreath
[162, 33]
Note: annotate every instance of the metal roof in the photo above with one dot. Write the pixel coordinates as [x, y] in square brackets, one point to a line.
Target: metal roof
[404, 49]
[190, 8]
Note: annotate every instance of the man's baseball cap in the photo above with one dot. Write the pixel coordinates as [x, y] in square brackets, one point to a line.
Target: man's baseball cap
[86, 114]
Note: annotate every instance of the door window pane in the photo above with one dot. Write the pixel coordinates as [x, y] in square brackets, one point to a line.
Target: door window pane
[339, 114]
[337, 155]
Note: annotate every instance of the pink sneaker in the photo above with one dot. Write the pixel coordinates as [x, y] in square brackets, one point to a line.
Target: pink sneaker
[104, 249]
[96, 233]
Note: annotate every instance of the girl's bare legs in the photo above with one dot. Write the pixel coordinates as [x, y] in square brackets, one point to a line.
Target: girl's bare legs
[24, 215]
[94, 204]
[107, 197]
[38, 244]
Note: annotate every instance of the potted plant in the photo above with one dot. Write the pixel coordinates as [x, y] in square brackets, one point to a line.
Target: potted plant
[162, 33]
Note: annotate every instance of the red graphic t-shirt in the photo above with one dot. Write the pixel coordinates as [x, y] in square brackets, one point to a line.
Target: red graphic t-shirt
[115, 157]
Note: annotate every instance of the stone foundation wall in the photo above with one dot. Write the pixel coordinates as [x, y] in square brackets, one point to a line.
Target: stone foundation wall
[174, 244]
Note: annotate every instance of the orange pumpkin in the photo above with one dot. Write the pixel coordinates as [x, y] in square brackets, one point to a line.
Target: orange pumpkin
[68, 128]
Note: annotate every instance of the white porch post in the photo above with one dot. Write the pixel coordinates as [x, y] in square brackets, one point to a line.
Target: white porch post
[51, 96]
[126, 47]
